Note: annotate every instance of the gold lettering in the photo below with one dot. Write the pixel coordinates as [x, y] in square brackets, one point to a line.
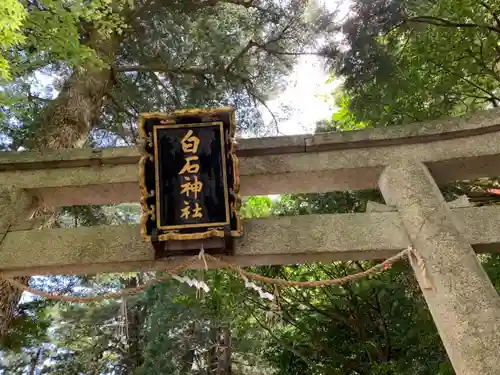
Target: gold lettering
[195, 187]
[190, 142]
[197, 213]
[185, 211]
[190, 168]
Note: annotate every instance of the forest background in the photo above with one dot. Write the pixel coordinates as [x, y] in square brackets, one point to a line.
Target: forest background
[76, 73]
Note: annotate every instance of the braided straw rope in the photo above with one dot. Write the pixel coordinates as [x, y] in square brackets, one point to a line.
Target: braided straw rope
[410, 252]
[102, 297]
[313, 284]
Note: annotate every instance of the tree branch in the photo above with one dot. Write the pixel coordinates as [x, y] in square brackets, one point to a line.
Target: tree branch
[314, 342]
[334, 315]
[481, 61]
[249, 4]
[436, 21]
[37, 98]
[173, 95]
[492, 12]
[137, 13]
[243, 3]
[119, 106]
[285, 345]
[257, 99]
[385, 329]
[490, 94]
[249, 45]
[164, 69]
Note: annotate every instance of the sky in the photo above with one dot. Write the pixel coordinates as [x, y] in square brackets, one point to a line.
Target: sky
[307, 84]
[303, 95]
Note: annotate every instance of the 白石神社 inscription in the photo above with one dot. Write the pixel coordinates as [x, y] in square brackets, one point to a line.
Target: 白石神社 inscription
[189, 178]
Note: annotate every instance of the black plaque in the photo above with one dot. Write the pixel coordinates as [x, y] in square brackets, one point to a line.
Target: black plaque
[189, 175]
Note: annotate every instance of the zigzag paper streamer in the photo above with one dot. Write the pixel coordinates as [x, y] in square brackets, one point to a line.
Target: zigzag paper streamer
[258, 289]
[192, 283]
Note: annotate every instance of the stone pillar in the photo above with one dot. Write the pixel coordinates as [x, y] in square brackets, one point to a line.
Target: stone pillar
[462, 299]
[15, 205]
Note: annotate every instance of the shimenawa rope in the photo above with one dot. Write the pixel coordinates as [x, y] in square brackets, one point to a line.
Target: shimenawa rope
[415, 258]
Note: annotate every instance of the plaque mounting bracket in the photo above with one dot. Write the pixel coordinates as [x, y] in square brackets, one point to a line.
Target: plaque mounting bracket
[213, 246]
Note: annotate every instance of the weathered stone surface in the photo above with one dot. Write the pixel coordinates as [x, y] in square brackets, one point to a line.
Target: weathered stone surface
[301, 238]
[462, 201]
[273, 174]
[441, 129]
[378, 207]
[15, 204]
[283, 240]
[463, 302]
[67, 158]
[272, 165]
[271, 145]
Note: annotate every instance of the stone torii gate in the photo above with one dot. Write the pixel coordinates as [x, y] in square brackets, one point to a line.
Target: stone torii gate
[406, 163]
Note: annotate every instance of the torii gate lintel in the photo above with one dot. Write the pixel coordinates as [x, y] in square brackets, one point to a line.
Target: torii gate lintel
[462, 300]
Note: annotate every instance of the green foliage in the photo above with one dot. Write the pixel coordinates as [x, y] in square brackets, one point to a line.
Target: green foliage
[29, 326]
[343, 119]
[256, 206]
[370, 326]
[398, 68]
[65, 32]
[12, 15]
[181, 323]
[163, 55]
[160, 55]
[409, 61]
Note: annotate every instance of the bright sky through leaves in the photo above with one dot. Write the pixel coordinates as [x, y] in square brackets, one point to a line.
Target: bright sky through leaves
[306, 88]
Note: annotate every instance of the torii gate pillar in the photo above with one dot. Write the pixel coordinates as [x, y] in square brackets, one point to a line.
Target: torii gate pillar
[15, 205]
[462, 299]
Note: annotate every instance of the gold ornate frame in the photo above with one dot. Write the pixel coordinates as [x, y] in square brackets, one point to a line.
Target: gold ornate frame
[150, 211]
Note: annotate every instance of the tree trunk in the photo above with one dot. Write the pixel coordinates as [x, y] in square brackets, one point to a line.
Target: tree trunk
[219, 356]
[34, 361]
[135, 320]
[66, 124]
[9, 298]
